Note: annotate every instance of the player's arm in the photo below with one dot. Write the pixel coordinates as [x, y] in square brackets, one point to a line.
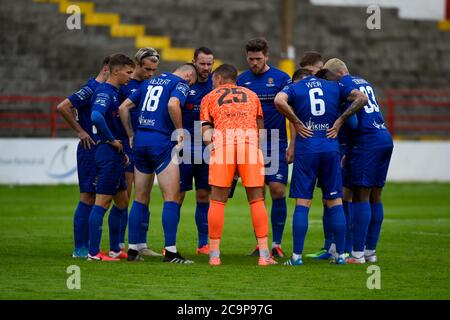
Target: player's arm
[174, 108]
[207, 122]
[282, 105]
[99, 108]
[291, 148]
[65, 108]
[124, 113]
[359, 100]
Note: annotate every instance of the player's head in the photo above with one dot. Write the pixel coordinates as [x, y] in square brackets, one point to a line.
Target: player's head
[225, 73]
[327, 74]
[188, 72]
[120, 68]
[257, 51]
[104, 71]
[203, 61]
[311, 60]
[300, 74]
[147, 60]
[337, 66]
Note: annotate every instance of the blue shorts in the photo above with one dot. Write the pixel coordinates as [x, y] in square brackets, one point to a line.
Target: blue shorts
[86, 168]
[324, 167]
[110, 170]
[129, 152]
[369, 167]
[280, 166]
[152, 159]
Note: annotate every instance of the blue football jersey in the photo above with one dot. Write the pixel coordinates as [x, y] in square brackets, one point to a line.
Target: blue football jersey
[152, 99]
[126, 91]
[106, 101]
[316, 103]
[371, 131]
[81, 101]
[266, 86]
[191, 109]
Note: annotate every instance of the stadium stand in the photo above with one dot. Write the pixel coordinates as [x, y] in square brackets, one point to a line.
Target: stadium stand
[41, 57]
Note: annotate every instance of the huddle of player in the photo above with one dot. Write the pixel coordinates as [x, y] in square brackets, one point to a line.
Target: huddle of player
[203, 125]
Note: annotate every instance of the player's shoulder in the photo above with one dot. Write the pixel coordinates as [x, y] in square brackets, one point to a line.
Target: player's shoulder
[248, 91]
[278, 73]
[243, 76]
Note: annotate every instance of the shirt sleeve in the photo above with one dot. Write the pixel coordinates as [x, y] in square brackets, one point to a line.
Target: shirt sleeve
[204, 110]
[180, 92]
[135, 97]
[345, 91]
[82, 98]
[101, 102]
[289, 91]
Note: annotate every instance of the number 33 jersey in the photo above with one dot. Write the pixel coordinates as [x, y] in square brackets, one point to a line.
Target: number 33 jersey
[152, 99]
[233, 111]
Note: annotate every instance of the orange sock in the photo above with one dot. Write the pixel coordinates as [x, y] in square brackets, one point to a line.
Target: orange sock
[216, 218]
[259, 218]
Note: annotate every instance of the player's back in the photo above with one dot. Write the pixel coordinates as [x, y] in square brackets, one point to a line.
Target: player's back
[316, 103]
[152, 100]
[233, 111]
[371, 130]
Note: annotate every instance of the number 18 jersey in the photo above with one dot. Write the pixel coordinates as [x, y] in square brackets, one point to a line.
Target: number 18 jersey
[152, 99]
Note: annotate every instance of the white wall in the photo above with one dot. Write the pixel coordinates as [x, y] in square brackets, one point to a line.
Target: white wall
[408, 9]
[53, 161]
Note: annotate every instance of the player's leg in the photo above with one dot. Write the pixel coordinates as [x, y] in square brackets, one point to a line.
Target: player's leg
[129, 179]
[118, 210]
[303, 181]
[203, 190]
[86, 177]
[376, 206]
[110, 179]
[278, 215]
[169, 182]
[330, 179]
[252, 174]
[347, 197]
[220, 178]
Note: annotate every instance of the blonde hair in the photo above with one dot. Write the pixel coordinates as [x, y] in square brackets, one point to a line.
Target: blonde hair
[147, 52]
[335, 65]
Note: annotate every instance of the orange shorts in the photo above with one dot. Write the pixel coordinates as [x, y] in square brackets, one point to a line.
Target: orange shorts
[245, 159]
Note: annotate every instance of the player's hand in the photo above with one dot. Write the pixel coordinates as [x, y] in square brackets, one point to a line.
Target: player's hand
[343, 161]
[302, 130]
[290, 154]
[117, 144]
[333, 131]
[131, 141]
[86, 140]
[127, 160]
[180, 139]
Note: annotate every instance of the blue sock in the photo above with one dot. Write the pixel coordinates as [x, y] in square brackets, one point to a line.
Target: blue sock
[81, 225]
[201, 219]
[170, 222]
[327, 228]
[95, 229]
[299, 228]
[376, 220]
[361, 220]
[114, 220]
[337, 218]
[135, 222]
[144, 225]
[123, 226]
[178, 214]
[278, 218]
[349, 220]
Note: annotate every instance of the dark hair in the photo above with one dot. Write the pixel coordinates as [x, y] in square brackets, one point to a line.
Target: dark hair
[227, 72]
[310, 58]
[120, 60]
[257, 45]
[204, 50]
[301, 73]
[106, 61]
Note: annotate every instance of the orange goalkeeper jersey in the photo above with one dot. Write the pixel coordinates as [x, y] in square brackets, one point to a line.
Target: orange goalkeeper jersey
[233, 111]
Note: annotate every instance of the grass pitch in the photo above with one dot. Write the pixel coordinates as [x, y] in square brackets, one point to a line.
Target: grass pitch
[36, 246]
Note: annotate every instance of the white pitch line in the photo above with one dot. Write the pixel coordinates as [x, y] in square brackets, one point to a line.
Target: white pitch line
[432, 234]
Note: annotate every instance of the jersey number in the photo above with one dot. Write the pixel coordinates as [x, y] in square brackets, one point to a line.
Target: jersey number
[151, 100]
[317, 104]
[373, 106]
[238, 96]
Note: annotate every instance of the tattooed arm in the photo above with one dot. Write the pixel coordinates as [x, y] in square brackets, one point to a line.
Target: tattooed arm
[359, 100]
